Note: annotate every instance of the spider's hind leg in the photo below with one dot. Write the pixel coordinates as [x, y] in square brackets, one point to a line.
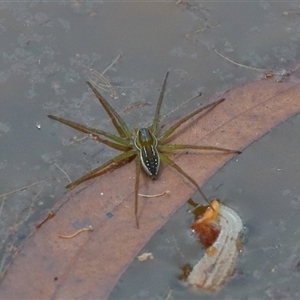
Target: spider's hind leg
[110, 165]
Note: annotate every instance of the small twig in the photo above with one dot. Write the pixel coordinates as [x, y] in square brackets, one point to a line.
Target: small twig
[77, 140]
[112, 63]
[5, 256]
[169, 294]
[241, 65]
[89, 228]
[16, 190]
[98, 79]
[134, 105]
[62, 170]
[22, 188]
[177, 107]
[189, 35]
[167, 192]
[183, 103]
[106, 86]
[2, 204]
[30, 210]
[49, 216]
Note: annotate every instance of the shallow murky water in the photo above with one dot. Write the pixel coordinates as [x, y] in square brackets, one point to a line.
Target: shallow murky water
[48, 50]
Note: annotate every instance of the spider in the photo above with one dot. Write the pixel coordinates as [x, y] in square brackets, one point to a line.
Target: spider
[143, 145]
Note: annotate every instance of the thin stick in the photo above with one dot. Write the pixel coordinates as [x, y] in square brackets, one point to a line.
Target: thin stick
[105, 85]
[112, 63]
[62, 171]
[169, 295]
[89, 228]
[189, 35]
[241, 65]
[30, 210]
[167, 192]
[78, 140]
[22, 188]
[2, 204]
[134, 105]
[5, 256]
[177, 107]
[49, 216]
[183, 103]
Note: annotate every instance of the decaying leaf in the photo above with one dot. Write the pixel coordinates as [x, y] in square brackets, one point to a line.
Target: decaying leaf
[214, 269]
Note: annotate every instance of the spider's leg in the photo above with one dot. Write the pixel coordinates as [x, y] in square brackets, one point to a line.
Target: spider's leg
[168, 132]
[175, 147]
[118, 122]
[110, 165]
[158, 106]
[171, 163]
[136, 189]
[93, 131]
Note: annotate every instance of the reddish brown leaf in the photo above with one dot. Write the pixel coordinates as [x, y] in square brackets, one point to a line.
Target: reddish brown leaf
[89, 265]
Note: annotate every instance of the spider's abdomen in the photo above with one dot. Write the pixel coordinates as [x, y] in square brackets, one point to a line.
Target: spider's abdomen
[146, 143]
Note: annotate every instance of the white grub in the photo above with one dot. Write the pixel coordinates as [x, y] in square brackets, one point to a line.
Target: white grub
[218, 263]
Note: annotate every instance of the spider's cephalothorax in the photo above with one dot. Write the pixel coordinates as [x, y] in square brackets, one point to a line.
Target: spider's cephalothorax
[147, 148]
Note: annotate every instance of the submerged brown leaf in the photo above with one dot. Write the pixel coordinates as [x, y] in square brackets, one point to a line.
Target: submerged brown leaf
[89, 265]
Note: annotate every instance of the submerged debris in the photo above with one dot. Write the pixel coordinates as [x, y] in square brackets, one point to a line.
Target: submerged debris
[145, 256]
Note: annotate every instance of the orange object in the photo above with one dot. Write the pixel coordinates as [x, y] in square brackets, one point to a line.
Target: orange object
[206, 227]
[210, 214]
